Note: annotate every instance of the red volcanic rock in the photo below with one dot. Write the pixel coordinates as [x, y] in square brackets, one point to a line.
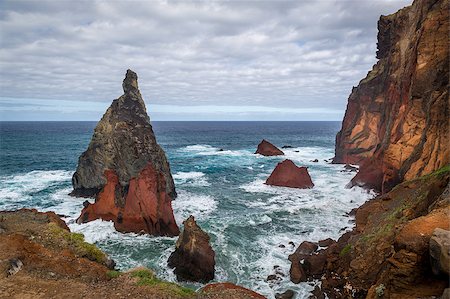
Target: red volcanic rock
[287, 174]
[266, 148]
[226, 290]
[396, 123]
[193, 258]
[126, 171]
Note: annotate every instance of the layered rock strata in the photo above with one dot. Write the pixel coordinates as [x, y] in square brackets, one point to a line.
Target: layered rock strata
[126, 171]
[193, 258]
[266, 148]
[287, 174]
[396, 126]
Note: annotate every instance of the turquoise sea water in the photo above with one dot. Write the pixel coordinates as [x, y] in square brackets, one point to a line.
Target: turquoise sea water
[224, 190]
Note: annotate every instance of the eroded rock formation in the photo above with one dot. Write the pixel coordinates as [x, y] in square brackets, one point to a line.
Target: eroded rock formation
[266, 148]
[396, 126]
[193, 258]
[287, 174]
[126, 171]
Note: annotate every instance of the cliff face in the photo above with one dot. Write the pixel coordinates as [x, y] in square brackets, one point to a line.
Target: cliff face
[396, 125]
[126, 170]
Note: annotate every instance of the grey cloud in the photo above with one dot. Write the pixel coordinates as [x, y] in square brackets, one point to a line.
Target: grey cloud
[299, 54]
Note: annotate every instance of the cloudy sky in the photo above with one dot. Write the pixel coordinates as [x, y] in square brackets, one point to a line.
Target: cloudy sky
[234, 60]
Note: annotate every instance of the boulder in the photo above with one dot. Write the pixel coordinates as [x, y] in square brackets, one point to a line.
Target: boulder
[439, 251]
[325, 243]
[287, 174]
[297, 271]
[289, 294]
[266, 148]
[126, 171]
[193, 258]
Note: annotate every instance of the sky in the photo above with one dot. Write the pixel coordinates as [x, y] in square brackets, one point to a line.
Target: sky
[199, 60]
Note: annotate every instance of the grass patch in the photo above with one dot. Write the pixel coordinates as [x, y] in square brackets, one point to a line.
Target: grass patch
[76, 242]
[346, 250]
[113, 274]
[146, 277]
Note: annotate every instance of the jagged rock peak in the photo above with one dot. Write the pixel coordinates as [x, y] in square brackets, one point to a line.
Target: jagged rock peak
[125, 169]
[130, 83]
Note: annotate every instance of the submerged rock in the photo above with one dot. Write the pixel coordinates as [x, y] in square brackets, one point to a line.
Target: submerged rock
[396, 123]
[266, 148]
[126, 171]
[193, 258]
[287, 174]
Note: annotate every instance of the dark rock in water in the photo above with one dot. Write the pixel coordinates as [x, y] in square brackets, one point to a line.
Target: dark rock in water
[287, 174]
[349, 167]
[266, 148]
[315, 160]
[289, 294]
[193, 258]
[126, 170]
[220, 150]
[325, 243]
[317, 293]
[297, 271]
[287, 146]
[291, 243]
[15, 265]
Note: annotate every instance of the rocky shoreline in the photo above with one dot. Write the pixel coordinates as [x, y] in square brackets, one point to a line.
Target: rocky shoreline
[41, 258]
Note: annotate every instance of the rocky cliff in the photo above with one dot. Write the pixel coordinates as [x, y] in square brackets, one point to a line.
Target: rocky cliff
[396, 126]
[126, 170]
[398, 248]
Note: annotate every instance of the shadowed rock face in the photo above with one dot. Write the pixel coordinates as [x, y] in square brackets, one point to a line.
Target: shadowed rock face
[126, 170]
[266, 148]
[193, 258]
[287, 174]
[396, 123]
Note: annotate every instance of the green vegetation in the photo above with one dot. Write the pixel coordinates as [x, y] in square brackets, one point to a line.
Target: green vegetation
[146, 277]
[76, 242]
[345, 250]
[379, 290]
[113, 274]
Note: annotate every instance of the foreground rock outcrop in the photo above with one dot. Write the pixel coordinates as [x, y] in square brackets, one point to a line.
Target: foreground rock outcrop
[394, 248]
[41, 258]
[266, 148]
[287, 174]
[396, 126]
[126, 171]
[193, 258]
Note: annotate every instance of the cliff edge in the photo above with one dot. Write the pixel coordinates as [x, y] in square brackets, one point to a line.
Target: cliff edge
[396, 126]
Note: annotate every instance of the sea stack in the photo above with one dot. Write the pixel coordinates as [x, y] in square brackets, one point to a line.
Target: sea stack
[287, 174]
[126, 171]
[396, 126]
[193, 258]
[266, 148]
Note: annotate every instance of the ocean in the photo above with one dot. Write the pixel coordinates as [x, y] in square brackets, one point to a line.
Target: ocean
[253, 227]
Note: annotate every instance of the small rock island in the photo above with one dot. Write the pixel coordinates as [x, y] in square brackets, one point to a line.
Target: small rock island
[126, 171]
